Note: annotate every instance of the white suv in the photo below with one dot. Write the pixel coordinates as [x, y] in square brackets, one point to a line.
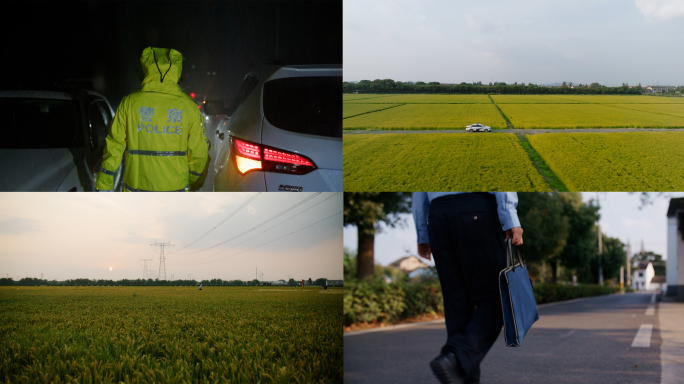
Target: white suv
[284, 132]
[53, 140]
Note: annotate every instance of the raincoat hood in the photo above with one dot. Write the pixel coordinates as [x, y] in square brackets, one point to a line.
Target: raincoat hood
[161, 64]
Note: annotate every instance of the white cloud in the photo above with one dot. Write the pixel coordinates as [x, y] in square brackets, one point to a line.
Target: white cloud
[473, 24]
[385, 8]
[660, 9]
[643, 224]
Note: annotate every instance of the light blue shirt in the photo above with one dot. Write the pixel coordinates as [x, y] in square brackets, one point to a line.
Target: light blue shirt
[506, 208]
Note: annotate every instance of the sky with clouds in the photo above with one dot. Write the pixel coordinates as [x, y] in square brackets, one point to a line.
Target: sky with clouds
[620, 217]
[69, 235]
[539, 41]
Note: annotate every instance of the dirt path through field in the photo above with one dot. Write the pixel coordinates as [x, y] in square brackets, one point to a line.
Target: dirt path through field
[518, 131]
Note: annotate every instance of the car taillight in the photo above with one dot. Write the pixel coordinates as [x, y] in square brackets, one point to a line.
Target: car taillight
[249, 157]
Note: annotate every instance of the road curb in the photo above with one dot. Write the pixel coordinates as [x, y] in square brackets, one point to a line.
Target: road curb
[672, 349]
[578, 299]
[392, 327]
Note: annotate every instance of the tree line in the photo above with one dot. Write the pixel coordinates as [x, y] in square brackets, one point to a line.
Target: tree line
[391, 86]
[32, 281]
[560, 234]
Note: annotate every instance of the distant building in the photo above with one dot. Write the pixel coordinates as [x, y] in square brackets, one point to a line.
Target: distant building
[675, 249]
[658, 282]
[408, 264]
[335, 283]
[643, 274]
[659, 88]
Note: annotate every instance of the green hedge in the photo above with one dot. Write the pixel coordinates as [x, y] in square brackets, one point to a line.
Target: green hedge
[548, 293]
[376, 301]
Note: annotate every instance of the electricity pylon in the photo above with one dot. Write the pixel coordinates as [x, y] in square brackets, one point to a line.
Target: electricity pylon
[162, 263]
[145, 274]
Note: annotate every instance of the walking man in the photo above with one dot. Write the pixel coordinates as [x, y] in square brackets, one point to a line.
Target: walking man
[466, 233]
[158, 129]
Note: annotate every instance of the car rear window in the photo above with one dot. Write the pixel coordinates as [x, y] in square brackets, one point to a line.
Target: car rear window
[309, 105]
[39, 123]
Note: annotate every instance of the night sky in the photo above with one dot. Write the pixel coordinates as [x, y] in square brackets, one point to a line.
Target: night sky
[101, 42]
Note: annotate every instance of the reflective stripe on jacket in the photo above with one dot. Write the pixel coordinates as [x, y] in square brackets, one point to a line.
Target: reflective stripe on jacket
[159, 129]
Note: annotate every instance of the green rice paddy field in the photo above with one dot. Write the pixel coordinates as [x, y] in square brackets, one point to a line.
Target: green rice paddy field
[170, 334]
[438, 161]
[408, 112]
[630, 161]
[425, 116]
[615, 161]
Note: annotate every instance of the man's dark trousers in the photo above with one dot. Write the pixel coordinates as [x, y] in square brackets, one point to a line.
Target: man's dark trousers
[467, 242]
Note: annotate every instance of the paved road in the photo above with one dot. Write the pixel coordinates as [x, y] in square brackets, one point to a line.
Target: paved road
[583, 341]
[526, 131]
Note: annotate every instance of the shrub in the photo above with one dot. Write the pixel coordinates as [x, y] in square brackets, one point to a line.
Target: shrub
[375, 301]
[548, 293]
[423, 298]
[370, 301]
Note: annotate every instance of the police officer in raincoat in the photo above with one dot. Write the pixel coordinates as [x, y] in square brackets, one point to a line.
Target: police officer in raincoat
[159, 129]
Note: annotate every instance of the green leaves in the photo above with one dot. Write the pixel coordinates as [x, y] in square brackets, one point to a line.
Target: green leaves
[548, 293]
[374, 301]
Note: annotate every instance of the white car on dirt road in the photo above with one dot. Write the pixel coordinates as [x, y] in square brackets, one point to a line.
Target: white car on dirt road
[477, 127]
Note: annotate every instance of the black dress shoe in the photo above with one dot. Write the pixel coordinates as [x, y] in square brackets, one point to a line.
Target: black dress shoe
[447, 369]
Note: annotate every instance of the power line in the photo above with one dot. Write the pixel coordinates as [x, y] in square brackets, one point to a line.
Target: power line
[145, 273]
[275, 226]
[257, 226]
[278, 238]
[220, 223]
[162, 261]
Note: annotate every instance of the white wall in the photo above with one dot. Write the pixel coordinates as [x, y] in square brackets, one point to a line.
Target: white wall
[673, 240]
[680, 257]
[648, 273]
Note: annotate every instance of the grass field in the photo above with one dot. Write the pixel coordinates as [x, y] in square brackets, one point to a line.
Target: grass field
[585, 99]
[427, 111]
[170, 334]
[534, 99]
[350, 110]
[358, 97]
[438, 161]
[662, 109]
[585, 116]
[428, 116]
[423, 99]
[630, 161]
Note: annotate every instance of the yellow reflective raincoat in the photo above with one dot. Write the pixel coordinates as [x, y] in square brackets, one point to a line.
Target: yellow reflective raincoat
[159, 129]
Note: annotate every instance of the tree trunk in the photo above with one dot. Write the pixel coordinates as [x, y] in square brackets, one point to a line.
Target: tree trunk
[554, 271]
[364, 256]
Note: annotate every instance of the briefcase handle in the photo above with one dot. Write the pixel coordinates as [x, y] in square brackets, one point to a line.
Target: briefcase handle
[510, 249]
